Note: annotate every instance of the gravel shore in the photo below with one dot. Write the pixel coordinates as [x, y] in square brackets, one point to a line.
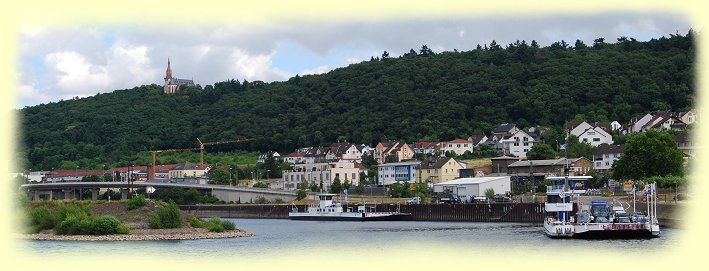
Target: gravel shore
[142, 235]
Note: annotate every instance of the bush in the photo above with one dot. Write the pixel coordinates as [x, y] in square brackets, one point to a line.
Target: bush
[123, 229]
[165, 217]
[68, 209]
[42, 218]
[105, 224]
[215, 228]
[197, 223]
[136, 202]
[261, 200]
[75, 223]
[228, 225]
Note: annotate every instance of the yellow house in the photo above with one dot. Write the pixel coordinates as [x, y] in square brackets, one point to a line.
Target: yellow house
[438, 169]
[186, 170]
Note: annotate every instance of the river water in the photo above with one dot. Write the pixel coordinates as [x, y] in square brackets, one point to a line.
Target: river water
[274, 236]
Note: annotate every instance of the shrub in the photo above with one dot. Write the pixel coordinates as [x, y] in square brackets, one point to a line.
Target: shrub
[123, 229]
[105, 224]
[43, 218]
[167, 216]
[261, 200]
[75, 223]
[228, 225]
[197, 223]
[65, 210]
[136, 202]
[215, 228]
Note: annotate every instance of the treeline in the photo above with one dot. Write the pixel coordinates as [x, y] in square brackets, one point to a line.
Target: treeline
[420, 96]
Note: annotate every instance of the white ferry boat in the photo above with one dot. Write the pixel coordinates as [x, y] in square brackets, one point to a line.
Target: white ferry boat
[329, 209]
[598, 221]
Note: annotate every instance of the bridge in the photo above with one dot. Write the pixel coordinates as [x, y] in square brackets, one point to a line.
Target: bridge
[71, 190]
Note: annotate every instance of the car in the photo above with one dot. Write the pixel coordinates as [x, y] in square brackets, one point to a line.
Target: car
[414, 200]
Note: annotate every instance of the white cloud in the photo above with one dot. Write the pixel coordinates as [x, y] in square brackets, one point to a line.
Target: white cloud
[72, 73]
[317, 70]
[255, 67]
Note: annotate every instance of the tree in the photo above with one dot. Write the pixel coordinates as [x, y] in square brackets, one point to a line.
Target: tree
[541, 152]
[346, 185]
[385, 56]
[360, 187]
[648, 154]
[577, 149]
[260, 185]
[336, 186]
[301, 194]
[218, 176]
[489, 193]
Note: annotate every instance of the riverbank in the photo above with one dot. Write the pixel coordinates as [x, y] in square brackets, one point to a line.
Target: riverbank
[142, 235]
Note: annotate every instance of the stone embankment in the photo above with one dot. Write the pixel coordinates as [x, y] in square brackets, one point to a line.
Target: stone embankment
[142, 235]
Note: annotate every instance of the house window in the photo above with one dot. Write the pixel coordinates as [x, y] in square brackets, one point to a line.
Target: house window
[516, 144]
[605, 155]
[526, 150]
[354, 177]
[598, 164]
[585, 140]
[596, 139]
[526, 144]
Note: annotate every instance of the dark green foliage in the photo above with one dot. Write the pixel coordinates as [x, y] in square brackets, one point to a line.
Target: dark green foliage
[261, 200]
[105, 224]
[136, 202]
[218, 176]
[400, 190]
[336, 186]
[489, 193]
[260, 185]
[73, 224]
[301, 194]
[541, 152]
[648, 154]
[42, 217]
[165, 217]
[219, 225]
[197, 223]
[668, 181]
[183, 196]
[72, 209]
[439, 96]
[215, 227]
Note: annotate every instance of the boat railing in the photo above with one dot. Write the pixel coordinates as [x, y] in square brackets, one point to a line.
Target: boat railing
[558, 188]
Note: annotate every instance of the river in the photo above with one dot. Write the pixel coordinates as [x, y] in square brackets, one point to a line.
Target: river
[274, 236]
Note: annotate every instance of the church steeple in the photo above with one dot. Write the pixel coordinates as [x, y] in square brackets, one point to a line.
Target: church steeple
[168, 73]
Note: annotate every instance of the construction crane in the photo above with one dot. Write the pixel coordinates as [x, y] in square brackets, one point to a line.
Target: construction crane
[202, 144]
[151, 172]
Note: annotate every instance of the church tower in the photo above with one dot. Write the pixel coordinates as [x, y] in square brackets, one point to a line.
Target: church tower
[169, 87]
[173, 84]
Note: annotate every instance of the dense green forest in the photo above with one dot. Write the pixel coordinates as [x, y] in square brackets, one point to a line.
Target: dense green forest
[419, 96]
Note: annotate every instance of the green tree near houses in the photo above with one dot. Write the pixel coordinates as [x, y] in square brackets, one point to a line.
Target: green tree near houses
[648, 154]
[336, 186]
[541, 152]
[218, 176]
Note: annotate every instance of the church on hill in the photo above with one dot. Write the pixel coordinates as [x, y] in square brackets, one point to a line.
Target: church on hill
[172, 85]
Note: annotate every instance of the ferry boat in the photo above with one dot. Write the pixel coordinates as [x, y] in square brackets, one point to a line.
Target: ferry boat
[328, 209]
[598, 221]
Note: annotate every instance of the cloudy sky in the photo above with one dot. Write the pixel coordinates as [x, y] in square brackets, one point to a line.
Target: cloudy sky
[60, 63]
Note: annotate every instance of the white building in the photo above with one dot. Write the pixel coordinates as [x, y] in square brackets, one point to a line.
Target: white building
[474, 187]
[459, 146]
[604, 157]
[312, 172]
[518, 144]
[397, 172]
[595, 136]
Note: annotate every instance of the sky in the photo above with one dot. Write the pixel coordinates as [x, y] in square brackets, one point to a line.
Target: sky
[58, 63]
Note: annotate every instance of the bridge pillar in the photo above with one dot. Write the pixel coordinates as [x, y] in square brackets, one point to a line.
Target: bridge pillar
[35, 195]
[51, 195]
[94, 193]
[67, 193]
[124, 193]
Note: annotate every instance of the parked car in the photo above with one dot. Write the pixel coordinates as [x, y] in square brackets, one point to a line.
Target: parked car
[450, 199]
[414, 200]
[680, 197]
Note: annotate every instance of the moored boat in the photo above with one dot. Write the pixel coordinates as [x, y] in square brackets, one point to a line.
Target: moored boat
[328, 209]
[600, 220]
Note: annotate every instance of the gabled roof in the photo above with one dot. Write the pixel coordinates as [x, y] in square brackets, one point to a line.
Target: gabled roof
[434, 162]
[187, 166]
[459, 141]
[295, 154]
[503, 128]
[609, 149]
[476, 138]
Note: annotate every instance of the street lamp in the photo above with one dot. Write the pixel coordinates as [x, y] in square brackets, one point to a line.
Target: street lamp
[267, 171]
[230, 169]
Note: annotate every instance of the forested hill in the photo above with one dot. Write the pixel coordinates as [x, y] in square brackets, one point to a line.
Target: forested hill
[420, 96]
